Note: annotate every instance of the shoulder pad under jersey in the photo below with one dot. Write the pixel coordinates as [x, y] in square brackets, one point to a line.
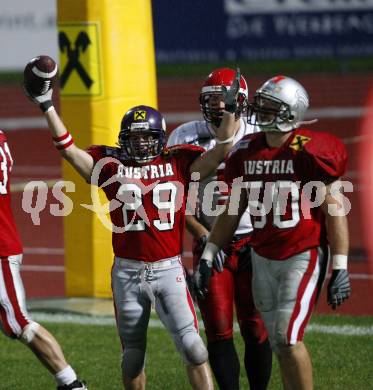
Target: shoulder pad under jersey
[326, 150]
[179, 149]
[190, 133]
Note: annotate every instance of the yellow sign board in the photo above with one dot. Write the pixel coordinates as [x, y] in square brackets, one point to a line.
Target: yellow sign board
[80, 62]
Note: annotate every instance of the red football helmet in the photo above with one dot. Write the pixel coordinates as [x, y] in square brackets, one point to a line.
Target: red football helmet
[213, 87]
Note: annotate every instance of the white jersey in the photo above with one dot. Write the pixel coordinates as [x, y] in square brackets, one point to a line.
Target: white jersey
[201, 133]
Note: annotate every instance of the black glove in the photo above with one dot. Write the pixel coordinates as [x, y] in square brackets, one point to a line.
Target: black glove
[230, 96]
[201, 278]
[43, 101]
[339, 288]
[219, 259]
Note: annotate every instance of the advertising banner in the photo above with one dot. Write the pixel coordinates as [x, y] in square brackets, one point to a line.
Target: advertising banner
[212, 30]
[27, 29]
[229, 30]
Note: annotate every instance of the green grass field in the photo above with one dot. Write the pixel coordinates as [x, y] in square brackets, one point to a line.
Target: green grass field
[340, 361]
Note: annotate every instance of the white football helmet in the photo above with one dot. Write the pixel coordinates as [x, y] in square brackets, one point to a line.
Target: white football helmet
[279, 105]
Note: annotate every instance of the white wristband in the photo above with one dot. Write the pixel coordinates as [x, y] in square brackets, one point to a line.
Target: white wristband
[225, 141]
[339, 261]
[209, 252]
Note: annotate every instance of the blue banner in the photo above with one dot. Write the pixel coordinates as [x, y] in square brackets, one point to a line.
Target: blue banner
[231, 30]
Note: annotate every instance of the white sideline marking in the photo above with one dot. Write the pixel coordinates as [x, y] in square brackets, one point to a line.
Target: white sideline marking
[346, 330]
[20, 187]
[43, 251]
[26, 123]
[61, 268]
[360, 276]
[14, 124]
[37, 170]
[43, 268]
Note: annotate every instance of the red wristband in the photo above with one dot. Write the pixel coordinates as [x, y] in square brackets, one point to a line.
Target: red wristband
[64, 141]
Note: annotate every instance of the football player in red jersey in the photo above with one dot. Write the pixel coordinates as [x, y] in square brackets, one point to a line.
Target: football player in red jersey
[290, 177]
[15, 322]
[146, 185]
[230, 284]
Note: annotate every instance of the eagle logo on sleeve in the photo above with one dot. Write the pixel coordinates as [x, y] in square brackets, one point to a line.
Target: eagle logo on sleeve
[298, 142]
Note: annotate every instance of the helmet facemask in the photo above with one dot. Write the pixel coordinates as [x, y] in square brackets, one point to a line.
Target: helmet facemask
[212, 106]
[270, 114]
[142, 145]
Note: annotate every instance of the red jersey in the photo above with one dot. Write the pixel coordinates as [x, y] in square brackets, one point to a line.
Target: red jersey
[147, 201]
[278, 193]
[10, 243]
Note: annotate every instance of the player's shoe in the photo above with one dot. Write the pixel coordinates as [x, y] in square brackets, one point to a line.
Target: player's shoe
[76, 385]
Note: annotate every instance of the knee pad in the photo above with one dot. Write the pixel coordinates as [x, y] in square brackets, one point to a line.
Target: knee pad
[254, 330]
[133, 362]
[29, 332]
[193, 349]
[279, 341]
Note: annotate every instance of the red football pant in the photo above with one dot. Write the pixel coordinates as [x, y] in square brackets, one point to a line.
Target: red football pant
[228, 289]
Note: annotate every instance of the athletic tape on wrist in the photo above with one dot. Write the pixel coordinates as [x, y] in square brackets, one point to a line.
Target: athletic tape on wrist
[64, 141]
[339, 261]
[46, 106]
[210, 252]
[51, 108]
[225, 141]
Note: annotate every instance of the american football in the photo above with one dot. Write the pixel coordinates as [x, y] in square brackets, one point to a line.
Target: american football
[40, 74]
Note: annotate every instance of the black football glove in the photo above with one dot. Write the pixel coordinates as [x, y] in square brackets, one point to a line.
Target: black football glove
[230, 96]
[219, 259]
[201, 278]
[43, 101]
[339, 288]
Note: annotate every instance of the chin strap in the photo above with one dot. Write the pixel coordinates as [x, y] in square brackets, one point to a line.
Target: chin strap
[310, 122]
[296, 125]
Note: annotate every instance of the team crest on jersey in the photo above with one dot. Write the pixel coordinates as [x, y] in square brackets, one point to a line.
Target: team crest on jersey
[298, 142]
[170, 152]
[166, 152]
[140, 115]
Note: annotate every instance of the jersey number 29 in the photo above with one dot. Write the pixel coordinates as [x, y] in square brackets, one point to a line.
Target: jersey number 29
[132, 224]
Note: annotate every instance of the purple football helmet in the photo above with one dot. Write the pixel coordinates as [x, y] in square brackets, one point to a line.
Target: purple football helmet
[142, 133]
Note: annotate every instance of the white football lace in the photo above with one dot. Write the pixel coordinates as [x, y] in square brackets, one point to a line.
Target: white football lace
[46, 86]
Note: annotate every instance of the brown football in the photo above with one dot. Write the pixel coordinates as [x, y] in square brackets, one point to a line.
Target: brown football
[40, 75]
